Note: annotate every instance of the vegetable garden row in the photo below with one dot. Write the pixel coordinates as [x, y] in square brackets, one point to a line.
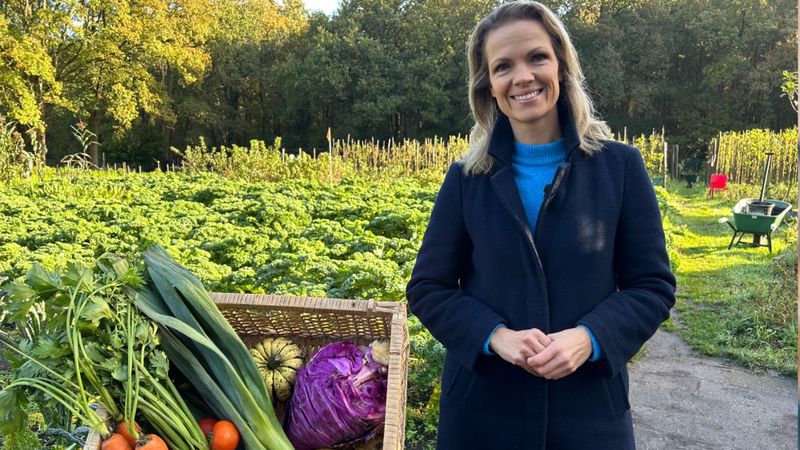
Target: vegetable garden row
[741, 155]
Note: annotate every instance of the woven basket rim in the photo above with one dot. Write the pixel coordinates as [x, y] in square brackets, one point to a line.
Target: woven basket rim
[307, 304]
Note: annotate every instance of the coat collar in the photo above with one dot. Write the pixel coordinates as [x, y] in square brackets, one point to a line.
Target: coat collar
[501, 142]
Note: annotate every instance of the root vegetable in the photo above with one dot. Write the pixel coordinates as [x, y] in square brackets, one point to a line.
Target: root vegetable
[116, 442]
[122, 429]
[151, 442]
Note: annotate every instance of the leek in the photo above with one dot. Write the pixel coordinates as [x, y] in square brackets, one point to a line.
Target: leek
[204, 346]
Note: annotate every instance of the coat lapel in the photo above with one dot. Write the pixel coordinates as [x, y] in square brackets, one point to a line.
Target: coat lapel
[506, 188]
[501, 147]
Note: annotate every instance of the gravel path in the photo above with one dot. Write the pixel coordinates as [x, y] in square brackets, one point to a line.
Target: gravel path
[682, 401]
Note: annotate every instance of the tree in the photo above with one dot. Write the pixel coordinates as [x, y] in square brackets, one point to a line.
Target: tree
[101, 55]
[248, 44]
[436, 75]
[28, 75]
[127, 68]
[150, 74]
[694, 67]
[789, 88]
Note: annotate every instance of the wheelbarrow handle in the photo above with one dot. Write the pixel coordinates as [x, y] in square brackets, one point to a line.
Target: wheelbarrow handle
[728, 221]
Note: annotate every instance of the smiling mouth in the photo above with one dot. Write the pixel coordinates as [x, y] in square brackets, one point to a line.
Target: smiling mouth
[528, 96]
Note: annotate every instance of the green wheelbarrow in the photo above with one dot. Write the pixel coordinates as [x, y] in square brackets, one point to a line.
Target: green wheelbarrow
[758, 224]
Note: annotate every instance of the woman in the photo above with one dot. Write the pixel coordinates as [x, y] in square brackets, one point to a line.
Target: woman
[543, 269]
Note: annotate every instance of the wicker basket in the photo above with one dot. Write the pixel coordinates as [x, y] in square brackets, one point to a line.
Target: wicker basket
[314, 322]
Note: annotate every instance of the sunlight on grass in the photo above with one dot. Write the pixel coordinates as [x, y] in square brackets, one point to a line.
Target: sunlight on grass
[737, 303]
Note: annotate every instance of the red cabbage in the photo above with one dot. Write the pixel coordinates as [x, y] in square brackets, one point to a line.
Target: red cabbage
[339, 398]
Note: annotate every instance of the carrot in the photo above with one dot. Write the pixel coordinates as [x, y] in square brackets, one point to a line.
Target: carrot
[122, 428]
[151, 442]
[116, 442]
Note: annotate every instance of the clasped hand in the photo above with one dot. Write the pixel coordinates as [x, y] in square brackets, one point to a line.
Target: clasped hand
[551, 356]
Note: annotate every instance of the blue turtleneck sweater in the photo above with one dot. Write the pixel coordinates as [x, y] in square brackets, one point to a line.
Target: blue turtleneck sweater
[534, 167]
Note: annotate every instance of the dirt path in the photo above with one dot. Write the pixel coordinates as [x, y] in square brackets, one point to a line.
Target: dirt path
[682, 401]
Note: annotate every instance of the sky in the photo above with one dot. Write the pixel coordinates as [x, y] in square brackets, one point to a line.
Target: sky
[326, 6]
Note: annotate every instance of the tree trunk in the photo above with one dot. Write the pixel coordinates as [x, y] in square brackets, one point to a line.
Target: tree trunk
[168, 82]
[166, 133]
[94, 146]
[41, 138]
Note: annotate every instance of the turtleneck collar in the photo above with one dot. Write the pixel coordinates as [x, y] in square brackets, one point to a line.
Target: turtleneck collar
[539, 155]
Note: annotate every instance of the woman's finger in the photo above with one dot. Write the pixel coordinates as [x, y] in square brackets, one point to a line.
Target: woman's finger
[535, 345]
[539, 360]
[554, 369]
[542, 337]
[536, 340]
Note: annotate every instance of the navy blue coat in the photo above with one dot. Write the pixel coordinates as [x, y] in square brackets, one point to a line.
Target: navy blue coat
[597, 256]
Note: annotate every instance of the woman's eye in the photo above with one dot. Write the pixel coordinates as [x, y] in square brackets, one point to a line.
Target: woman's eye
[539, 57]
[500, 67]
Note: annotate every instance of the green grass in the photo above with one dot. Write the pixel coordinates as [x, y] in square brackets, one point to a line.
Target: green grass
[738, 303]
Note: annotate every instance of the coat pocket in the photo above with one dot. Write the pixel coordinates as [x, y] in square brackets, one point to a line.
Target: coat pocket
[618, 395]
[458, 384]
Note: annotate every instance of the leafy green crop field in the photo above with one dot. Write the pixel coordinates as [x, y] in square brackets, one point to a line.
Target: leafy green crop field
[358, 239]
[355, 240]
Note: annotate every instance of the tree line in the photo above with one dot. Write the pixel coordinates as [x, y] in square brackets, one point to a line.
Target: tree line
[148, 75]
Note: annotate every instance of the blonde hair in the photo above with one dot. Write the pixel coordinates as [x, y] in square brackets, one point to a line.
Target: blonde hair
[591, 129]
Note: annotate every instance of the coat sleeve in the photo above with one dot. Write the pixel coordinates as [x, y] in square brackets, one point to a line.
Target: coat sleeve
[457, 320]
[645, 284]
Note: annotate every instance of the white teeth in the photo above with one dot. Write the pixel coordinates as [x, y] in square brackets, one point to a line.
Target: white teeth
[527, 96]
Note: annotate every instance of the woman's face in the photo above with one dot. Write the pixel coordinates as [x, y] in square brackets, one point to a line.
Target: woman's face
[523, 73]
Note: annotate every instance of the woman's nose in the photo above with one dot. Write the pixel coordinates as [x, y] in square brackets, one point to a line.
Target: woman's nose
[524, 76]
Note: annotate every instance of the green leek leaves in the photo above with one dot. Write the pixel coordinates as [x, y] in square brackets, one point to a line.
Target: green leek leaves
[204, 346]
